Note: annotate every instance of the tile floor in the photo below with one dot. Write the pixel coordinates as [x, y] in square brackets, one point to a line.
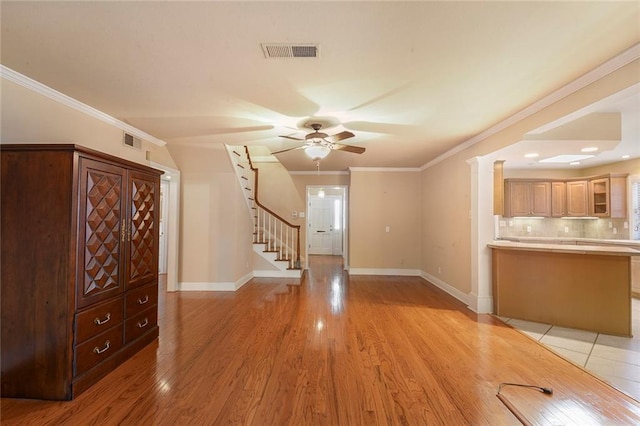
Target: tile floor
[613, 359]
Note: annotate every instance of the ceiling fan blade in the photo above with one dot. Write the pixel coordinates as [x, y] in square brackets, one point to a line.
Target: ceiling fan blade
[341, 136]
[292, 137]
[348, 148]
[289, 149]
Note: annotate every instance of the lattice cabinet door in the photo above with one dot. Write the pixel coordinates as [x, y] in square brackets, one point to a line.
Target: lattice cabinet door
[101, 231]
[142, 229]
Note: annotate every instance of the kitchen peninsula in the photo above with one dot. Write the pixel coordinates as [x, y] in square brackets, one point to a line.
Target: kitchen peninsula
[586, 287]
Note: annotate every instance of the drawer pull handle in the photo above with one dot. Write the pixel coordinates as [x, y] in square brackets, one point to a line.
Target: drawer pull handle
[143, 301]
[106, 347]
[105, 320]
[143, 324]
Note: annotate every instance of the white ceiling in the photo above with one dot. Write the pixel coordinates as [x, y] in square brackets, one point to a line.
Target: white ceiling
[410, 79]
[623, 144]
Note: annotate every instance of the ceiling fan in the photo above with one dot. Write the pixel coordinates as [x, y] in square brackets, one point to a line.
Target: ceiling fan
[318, 144]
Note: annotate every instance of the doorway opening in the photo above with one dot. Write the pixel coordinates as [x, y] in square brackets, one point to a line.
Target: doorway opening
[169, 226]
[326, 224]
[635, 207]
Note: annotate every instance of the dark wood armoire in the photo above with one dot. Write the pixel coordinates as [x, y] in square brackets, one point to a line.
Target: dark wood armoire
[79, 267]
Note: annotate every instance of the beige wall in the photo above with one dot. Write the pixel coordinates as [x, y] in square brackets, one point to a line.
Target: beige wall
[278, 192]
[302, 181]
[377, 200]
[216, 227]
[29, 117]
[632, 167]
[542, 174]
[446, 204]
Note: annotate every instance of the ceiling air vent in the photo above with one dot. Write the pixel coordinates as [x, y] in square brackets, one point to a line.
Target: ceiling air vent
[131, 141]
[299, 50]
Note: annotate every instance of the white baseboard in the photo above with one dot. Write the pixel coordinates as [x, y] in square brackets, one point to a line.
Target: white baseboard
[371, 271]
[206, 286]
[289, 273]
[215, 286]
[481, 305]
[463, 297]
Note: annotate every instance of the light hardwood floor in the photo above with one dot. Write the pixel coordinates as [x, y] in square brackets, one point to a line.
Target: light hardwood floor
[336, 350]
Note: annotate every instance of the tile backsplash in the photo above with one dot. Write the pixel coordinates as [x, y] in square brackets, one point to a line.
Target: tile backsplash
[602, 228]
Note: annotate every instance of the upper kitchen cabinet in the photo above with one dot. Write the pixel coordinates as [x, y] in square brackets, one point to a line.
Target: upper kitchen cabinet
[577, 198]
[524, 197]
[569, 198]
[607, 196]
[558, 199]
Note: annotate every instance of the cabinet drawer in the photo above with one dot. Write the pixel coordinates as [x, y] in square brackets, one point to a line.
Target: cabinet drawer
[96, 350]
[96, 320]
[141, 299]
[140, 324]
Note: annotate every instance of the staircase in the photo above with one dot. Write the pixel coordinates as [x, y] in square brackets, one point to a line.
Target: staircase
[274, 239]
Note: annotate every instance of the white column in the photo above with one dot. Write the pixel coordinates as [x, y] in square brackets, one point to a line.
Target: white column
[482, 230]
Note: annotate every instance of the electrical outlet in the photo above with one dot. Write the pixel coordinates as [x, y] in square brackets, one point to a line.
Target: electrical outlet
[610, 225]
[528, 229]
[439, 270]
[387, 228]
[566, 229]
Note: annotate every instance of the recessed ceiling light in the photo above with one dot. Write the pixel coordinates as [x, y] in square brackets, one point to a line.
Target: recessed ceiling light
[574, 163]
[589, 149]
[626, 156]
[531, 155]
[565, 158]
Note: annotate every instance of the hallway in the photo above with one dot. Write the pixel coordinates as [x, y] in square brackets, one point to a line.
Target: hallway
[357, 350]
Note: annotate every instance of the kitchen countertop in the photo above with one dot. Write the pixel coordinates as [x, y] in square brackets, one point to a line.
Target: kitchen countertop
[611, 250]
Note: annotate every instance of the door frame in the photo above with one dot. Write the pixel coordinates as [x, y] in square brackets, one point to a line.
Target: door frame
[165, 193]
[313, 190]
[172, 226]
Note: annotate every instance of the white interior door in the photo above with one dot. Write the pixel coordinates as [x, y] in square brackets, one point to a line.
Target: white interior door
[325, 225]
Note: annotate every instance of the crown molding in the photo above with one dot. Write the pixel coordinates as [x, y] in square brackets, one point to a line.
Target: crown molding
[37, 87]
[317, 173]
[625, 58]
[385, 169]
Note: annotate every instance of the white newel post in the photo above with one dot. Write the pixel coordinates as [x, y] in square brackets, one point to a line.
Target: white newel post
[482, 230]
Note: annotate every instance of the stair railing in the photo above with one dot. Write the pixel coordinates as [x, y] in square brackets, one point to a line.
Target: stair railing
[277, 234]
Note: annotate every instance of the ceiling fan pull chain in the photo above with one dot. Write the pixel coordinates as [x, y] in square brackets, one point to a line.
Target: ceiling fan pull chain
[318, 166]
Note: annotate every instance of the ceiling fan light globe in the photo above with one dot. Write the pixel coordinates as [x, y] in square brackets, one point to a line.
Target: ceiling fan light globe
[317, 152]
